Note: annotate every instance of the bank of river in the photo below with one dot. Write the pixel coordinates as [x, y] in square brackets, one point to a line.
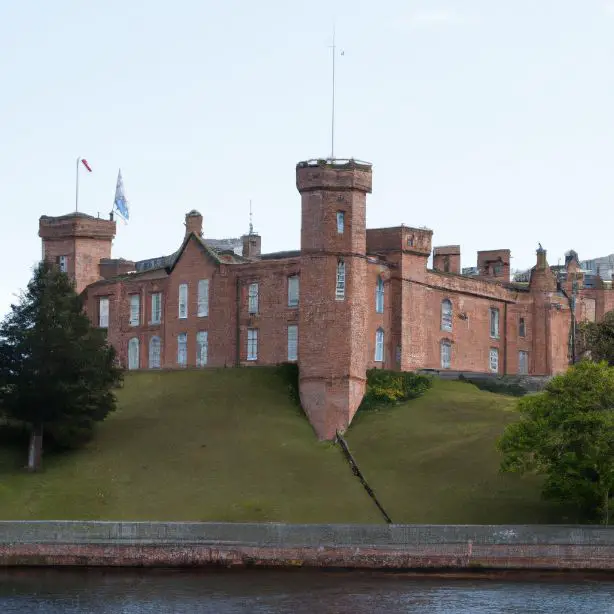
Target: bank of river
[98, 591]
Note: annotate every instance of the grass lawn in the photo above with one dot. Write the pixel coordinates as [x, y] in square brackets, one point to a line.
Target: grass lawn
[229, 445]
[433, 460]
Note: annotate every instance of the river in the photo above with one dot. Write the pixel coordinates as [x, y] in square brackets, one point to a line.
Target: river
[96, 591]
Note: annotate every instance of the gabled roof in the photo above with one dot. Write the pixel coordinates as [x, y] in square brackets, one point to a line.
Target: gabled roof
[224, 257]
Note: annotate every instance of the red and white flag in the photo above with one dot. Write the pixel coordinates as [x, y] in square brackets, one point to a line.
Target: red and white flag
[87, 166]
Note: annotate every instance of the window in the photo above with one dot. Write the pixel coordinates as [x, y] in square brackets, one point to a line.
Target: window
[379, 345]
[183, 301]
[498, 269]
[63, 261]
[522, 331]
[203, 298]
[446, 354]
[292, 342]
[135, 309]
[103, 312]
[133, 353]
[523, 363]
[494, 360]
[494, 323]
[340, 288]
[446, 314]
[154, 353]
[202, 348]
[379, 296]
[253, 298]
[293, 290]
[252, 344]
[340, 222]
[182, 349]
[156, 308]
[446, 264]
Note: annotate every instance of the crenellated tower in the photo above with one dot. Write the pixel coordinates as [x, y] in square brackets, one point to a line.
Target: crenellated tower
[333, 304]
[77, 243]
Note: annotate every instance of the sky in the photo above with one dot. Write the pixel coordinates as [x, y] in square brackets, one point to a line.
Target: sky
[490, 122]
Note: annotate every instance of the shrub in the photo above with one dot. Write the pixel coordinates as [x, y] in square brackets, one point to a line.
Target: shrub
[386, 388]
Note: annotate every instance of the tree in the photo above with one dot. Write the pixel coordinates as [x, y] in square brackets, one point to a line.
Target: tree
[597, 339]
[566, 433]
[57, 371]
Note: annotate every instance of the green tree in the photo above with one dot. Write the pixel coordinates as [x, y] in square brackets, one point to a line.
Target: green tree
[566, 433]
[57, 372]
[597, 338]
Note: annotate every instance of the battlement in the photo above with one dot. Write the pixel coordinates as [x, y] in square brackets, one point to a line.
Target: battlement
[75, 226]
[334, 174]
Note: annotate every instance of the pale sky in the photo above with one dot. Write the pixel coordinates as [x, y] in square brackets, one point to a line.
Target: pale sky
[489, 121]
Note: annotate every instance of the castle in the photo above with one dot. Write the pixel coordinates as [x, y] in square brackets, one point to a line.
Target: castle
[349, 300]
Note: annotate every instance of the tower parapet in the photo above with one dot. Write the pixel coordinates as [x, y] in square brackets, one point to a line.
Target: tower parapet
[333, 305]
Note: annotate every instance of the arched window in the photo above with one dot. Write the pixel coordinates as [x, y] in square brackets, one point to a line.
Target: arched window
[154, 353]
[133, 353]
[379, 345]
[446, 354]
[379, 296]
[446, 314]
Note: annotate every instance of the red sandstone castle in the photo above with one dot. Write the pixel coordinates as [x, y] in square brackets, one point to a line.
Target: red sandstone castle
[351, 299]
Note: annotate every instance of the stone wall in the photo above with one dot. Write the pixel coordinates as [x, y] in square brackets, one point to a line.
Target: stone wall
[456, 547]
[531, 383]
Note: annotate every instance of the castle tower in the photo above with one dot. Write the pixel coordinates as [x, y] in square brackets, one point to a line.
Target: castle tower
[333, 303]
[77, 242]
[543, 287]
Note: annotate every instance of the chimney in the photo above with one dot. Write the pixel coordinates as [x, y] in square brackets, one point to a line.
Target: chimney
[194, 223]
[446, 258]
[542, 263]
[251, 245]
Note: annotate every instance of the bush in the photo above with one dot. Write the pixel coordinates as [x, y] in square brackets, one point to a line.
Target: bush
[495, 385]
[386, 388]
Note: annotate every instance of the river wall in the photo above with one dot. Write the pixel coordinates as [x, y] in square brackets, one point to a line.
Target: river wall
[398, 547]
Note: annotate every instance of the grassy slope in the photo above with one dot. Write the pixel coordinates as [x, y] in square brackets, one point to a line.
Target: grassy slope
[434, 460]
[228, 445]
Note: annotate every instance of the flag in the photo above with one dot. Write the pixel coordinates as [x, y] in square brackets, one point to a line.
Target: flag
[120, 203]
[87, 166]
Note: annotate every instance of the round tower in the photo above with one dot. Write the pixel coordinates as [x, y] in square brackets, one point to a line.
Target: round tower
[333, 304]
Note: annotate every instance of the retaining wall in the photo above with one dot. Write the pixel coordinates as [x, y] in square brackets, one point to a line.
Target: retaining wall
[401, 547]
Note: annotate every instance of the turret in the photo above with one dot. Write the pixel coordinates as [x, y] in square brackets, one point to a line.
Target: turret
[77, 243]
[333, 306]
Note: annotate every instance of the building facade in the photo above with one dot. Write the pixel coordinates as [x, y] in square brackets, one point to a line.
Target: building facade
[349, 300]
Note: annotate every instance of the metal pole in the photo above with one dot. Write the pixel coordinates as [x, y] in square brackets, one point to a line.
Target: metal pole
[332, 136]
[77, 187]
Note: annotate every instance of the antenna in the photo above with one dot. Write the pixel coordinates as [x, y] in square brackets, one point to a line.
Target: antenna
[251, 225]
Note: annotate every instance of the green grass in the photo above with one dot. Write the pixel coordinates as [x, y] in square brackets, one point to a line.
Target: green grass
[229, 445]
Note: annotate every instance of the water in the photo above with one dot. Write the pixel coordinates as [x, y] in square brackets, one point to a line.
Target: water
[302, 592]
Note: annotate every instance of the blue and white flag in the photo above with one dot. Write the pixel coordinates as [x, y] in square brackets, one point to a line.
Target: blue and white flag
[121, 204]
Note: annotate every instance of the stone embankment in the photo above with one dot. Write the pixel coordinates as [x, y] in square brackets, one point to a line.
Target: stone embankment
[394, 547]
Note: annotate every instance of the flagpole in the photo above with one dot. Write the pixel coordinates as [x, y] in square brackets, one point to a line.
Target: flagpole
[332, 127]
[77, 187]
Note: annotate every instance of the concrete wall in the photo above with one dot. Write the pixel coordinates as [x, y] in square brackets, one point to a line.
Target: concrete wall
[270, 544]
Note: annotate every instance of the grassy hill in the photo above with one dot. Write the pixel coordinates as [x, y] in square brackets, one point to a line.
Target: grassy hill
[229, 445]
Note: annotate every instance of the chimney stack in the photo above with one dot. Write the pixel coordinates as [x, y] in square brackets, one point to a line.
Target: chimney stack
[194, 223]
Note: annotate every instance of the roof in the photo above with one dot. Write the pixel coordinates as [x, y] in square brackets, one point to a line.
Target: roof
[281, 255]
